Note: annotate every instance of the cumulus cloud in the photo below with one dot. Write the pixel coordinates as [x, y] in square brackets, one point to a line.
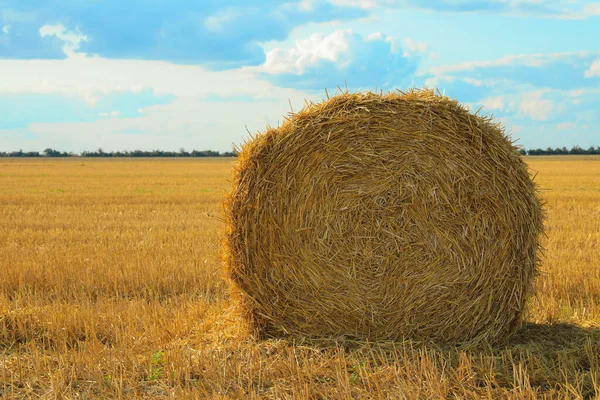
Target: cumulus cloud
[191, 123]
[565, 126]
[526, 60]
[591, 9]
[306, 5]
[413, 47]
[493, 103]
[438, 80]
[109, 114]
[516, 129]
[220, 21]
[594, 69]
[534, 106]
[91, 78]
[463, 88]
[205, 109]
[537, 8]
[6, 29]
[308, 52]
[375, 36]
[576, 92]
[219, 34]
[528, 88]
[71, 39]
[562, 71]
[341, 58]
[365, 4]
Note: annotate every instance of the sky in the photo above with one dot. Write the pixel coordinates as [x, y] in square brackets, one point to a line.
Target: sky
[205, 74]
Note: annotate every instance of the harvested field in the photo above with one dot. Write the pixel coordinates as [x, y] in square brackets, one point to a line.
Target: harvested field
[111, 286]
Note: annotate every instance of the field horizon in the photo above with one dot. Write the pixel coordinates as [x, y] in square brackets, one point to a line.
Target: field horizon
[112, 286]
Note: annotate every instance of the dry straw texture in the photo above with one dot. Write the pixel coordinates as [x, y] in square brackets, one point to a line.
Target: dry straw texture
[383, 217]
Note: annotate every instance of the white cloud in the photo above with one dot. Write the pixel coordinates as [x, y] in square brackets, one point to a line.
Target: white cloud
[572, 9]
[221, 21]
[6, 29]
[493, 103]
[473, 81]
[393, 43]
[189, 121]
[591, 9]
[436, 80]
[439, 80]
[364, 4]
[594, 69]
[515, 129]
[374, 36]
[529, 60]
[307, 52]
[576, 92]
[535, 107]
[186, 122]
[71, 39]
[89, 78]
[565, 126]
[307, 5]
[410, 49]
[414, 47]
[109, 114]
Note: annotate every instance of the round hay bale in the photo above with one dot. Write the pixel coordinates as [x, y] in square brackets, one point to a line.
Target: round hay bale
[383, 217]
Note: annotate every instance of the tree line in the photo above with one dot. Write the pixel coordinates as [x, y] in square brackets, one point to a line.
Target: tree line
[125, 153]
[576, 150]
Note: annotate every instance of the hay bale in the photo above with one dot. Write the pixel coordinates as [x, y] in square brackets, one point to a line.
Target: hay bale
[383, 217]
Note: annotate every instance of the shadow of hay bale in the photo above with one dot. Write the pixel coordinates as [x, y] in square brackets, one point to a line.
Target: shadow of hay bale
[552, 338]
[561, 357]
[541, 361]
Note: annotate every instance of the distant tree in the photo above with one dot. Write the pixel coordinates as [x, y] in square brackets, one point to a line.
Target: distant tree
[577, 150]
[52, 153]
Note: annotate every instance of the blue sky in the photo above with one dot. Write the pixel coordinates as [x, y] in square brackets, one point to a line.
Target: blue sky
[78, 75]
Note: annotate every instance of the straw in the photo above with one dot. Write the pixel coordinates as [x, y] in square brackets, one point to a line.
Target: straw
[383, 216]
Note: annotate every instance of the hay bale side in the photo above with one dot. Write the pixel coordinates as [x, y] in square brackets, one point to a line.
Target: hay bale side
[383, 217]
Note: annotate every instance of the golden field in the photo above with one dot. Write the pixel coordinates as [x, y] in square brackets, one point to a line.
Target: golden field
[111, 287]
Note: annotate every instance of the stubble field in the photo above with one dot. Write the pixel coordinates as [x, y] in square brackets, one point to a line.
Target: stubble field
[111, 286]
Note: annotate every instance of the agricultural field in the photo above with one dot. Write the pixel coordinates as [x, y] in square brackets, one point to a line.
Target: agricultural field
[111, 287]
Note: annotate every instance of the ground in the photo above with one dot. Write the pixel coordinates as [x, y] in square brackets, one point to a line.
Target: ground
[111, 286]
